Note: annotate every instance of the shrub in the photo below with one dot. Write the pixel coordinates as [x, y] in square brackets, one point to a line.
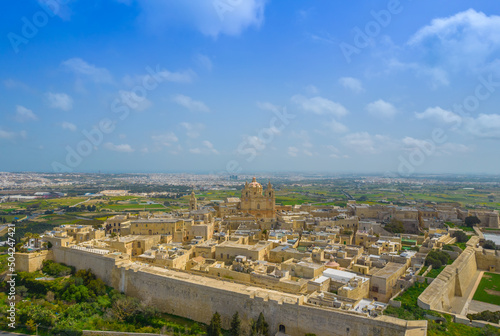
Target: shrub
[487, 315]
[55, 269]
[490, 245]
[471, 221]
[437, 259]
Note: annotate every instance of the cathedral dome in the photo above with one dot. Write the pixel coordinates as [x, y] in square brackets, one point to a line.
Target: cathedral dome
[255, 184]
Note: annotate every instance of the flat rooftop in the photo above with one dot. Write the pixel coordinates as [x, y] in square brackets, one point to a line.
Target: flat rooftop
[388, 270]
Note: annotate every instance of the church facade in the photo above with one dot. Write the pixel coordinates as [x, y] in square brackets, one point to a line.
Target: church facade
[257, 201]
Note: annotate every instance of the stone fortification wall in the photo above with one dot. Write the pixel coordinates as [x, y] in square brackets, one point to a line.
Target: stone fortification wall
[101, 265]
[198, 298]
[452, 281]
[486, 259]
[31, 262]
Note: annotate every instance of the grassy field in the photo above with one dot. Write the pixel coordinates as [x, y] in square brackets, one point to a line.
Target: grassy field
[43, 204]
[489, 289]
[433, 273]
[409, 310]
[125, 207]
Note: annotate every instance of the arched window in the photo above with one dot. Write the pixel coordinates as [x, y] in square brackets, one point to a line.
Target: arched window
[258, 206]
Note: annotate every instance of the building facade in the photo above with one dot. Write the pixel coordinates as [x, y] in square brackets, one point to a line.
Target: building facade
[257, 201]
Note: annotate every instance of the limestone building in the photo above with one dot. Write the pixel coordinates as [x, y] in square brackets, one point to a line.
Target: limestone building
[256, 201]
[193, 202]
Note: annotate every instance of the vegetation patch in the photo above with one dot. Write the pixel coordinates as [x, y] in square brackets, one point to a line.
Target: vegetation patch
[489, 289]
[82, 302]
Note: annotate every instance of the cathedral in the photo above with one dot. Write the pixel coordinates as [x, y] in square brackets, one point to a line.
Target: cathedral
[256, 201]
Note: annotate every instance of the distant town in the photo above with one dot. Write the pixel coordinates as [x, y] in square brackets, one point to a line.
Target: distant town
[391, 256]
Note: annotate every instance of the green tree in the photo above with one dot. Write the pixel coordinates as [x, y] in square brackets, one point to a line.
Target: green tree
[461, 236]
[235, 325]
[437, 259]
[28, 236]
[261, 327]
[125, 308]
[395, 226]
[471, 221]
[36, 236]
[490, 245]
[214, 328]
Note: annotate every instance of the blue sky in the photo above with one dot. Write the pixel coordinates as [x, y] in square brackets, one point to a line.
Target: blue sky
[230, 86]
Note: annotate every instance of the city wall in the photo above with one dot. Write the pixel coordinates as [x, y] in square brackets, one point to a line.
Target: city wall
[31, 262]
[451, 282]
[488, 260]
[102, 266]
[455, 278]
[198, 298]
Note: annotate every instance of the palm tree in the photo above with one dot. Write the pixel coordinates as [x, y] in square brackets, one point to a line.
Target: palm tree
[36, 236]
[28, 236]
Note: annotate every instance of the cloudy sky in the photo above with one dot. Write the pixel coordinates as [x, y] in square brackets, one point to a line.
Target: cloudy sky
[228, 86]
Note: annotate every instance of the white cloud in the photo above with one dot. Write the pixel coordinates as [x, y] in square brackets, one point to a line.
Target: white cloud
[312, 90]
[135, 101]
[159, 75]
[186, 76]
[466, 40]
[14, 84]
[365, 143]
[60, 101]
[352, 84]
[166, 139]
[204, 61]
[381, 109]
[484, 126]
[334, 151]
[23, 114]
[210, 17]
[58, 8]
[190, 103]
[7, 134]
[319, 105]
[337, 127]
[210, 146]
[303, 136]
[436, 75]
[430, 148]
[266, 106]
[68, 126]
[193, 130]
[440, 115]
[293, 151]
[124, 148]
[207, 148]
[80, 67]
